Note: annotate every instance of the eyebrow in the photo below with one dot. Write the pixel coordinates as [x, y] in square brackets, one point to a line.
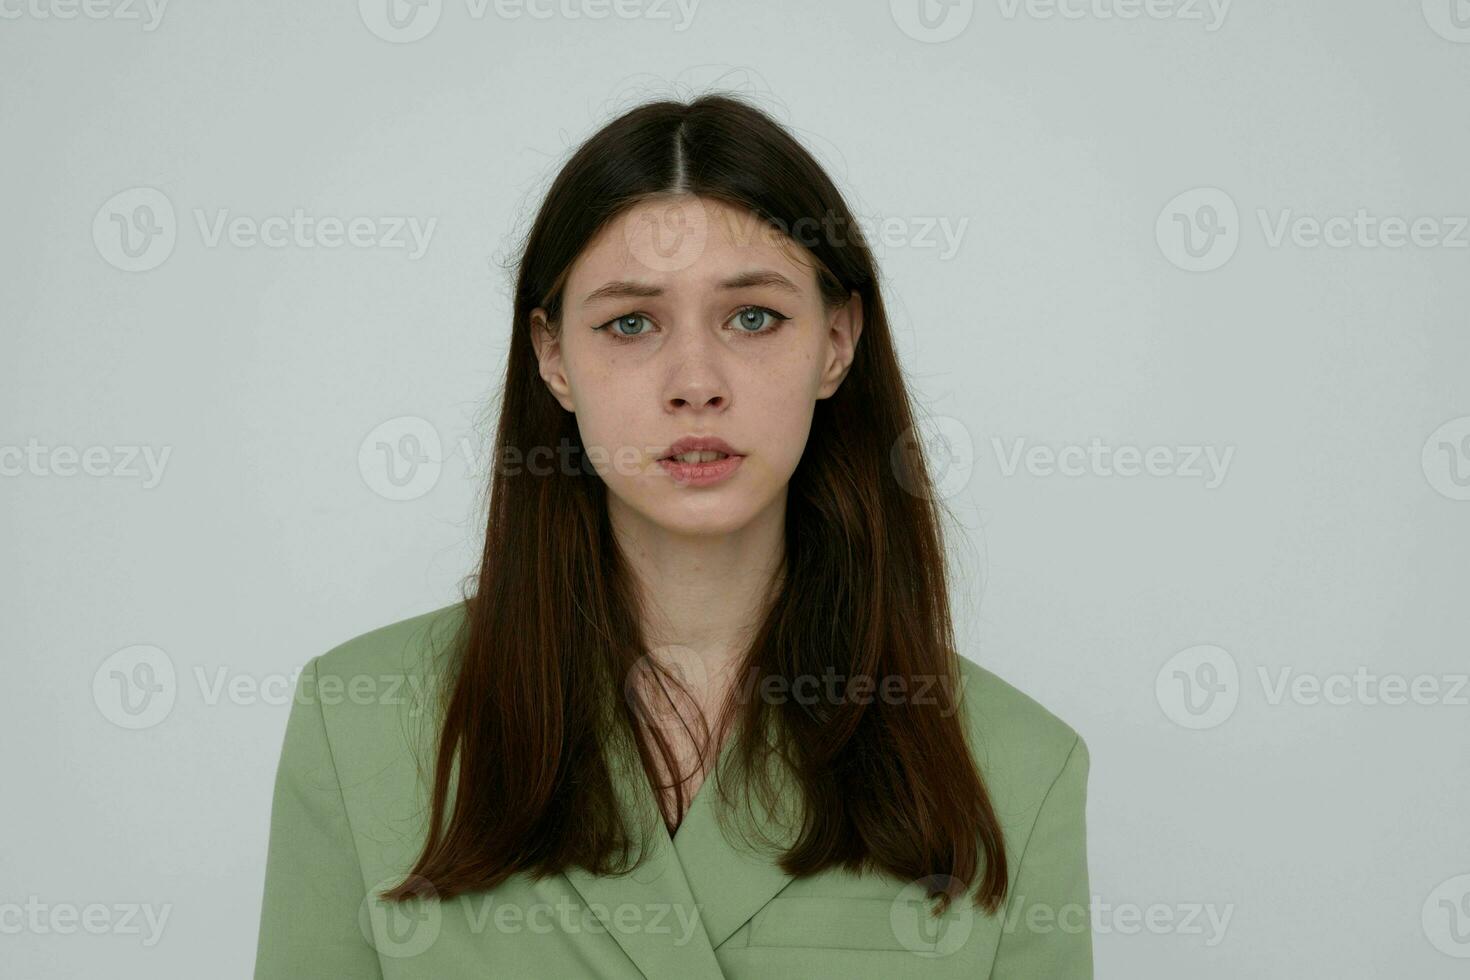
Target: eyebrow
[626, 287]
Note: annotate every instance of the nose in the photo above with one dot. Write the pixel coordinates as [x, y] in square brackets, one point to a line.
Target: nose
[697, 397]
[696, 379]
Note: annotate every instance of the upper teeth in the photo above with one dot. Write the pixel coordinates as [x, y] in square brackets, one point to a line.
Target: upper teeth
[702, 456]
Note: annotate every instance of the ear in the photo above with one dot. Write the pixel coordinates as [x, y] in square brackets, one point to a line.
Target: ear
[547, 343]
[844, 327]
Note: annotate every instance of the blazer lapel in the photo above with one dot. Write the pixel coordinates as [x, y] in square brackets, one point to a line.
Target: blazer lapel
[667, 934]
[700, 877]
[730, 880]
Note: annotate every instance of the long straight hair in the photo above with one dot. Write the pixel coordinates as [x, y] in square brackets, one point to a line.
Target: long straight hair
[538, 687]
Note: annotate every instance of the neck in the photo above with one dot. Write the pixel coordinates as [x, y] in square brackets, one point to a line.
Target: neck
[703, 594]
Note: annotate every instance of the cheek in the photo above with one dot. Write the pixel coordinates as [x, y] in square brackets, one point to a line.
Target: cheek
[781, 403]
[607, 410]
[790, 377]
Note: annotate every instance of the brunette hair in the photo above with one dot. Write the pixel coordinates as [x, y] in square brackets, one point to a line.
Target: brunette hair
[537, 685]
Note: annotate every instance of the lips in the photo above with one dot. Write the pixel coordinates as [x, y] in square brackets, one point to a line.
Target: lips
[699, 444]
[699, 462]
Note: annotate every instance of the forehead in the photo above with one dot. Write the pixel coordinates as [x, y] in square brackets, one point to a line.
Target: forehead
[685, 241]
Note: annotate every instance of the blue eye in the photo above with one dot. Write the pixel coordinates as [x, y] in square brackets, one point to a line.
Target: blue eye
[630, 320]
[748, 325]
[753, 321]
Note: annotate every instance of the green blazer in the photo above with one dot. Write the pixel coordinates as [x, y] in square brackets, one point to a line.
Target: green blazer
[350, 810]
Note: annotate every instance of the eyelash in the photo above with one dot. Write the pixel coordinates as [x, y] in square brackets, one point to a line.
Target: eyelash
[780, 318]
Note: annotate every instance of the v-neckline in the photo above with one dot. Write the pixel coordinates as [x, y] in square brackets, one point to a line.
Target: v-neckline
[695, 870]
[698, 799]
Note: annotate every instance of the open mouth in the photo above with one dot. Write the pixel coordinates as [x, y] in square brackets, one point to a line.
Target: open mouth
[701, 467]
[702, 456]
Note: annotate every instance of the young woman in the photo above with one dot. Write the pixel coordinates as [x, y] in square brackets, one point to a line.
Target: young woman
[701, 714]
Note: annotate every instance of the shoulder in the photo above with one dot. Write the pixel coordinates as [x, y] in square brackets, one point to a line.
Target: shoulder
[1023, 748]
[359, 748]
[378, 693]
[1004, 715]
[407, 645]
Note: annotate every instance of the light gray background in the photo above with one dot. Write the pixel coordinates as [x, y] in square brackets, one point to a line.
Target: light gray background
[1332, 835]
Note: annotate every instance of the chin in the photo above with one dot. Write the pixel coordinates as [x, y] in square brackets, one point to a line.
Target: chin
[702, 521]
[680, 513]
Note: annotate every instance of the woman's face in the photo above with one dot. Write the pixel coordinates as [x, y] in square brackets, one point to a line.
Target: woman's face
[686, 317]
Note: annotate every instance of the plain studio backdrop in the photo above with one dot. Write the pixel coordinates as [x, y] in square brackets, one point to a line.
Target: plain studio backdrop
[1181, 288]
